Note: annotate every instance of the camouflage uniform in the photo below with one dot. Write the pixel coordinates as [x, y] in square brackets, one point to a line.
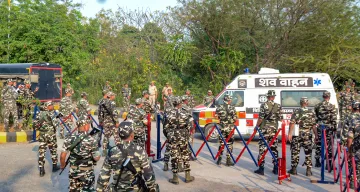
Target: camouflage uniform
[28, 97]
[191, 101]
[110, 115]
[346, 99]
[81, 173]
[101, 110]
[66, 108]
[305, 118]
[354, 133]
[346, 126]
[325, 115]
[270, 114]
[227, 116]
[148, 110]
[208, 99]
[138, 115]
[8, 96]
[114, 160]
[169, 102]
[45, 124]
[166, 130]
[126, 92]
[84, 108]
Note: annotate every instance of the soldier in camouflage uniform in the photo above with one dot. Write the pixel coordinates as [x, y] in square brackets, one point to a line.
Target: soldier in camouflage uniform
[111, 121]
[185, 105]
[27, 104]
[69, 89]
[168, 99]
[190, 98]
[305, 119]
[66, 108]
[107, 88]
[166, 130]
[84, 154]
[178, 122]
[138, 116]
[353, 144]
[346, 99]
[122, 180]
[8, 97]
[325, 116]
[101, 110]
[209, 98]
[45, 124]
[126, 92]
[269, 116]
[347, 122]
[83, 107]
[227, 116]
[148, 108]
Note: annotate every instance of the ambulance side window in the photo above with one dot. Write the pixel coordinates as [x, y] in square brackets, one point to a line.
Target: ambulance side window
[292, 98]
[237, 98]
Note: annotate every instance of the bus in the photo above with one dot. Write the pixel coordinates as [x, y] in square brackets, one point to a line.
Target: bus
[46, 76]
[249, 92]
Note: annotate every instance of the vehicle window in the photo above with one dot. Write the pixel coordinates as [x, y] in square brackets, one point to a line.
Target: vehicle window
[292, 98]
[237, 98]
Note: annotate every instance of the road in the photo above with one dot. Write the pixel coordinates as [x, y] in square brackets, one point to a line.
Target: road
[20, 172]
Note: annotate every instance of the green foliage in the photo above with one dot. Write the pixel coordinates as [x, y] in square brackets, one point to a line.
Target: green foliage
[197, 45]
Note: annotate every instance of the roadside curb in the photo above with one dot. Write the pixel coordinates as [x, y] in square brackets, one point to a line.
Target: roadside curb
[18, 137]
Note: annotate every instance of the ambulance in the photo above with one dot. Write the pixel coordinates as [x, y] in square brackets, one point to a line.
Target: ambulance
[249, 92]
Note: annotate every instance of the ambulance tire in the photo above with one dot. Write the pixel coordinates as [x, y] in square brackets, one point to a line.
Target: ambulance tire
[215, 135]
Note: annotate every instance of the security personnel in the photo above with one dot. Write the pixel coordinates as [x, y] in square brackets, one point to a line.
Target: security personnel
[304, 118]
[353, 143]
[83, 107]
[126, 93]
[191, 101]
[346, 99]
[348, 122]
[325, 116]
[8, 97]
[66, 108]
[84, 154]
[138, 116]
[178, 120]
[227, 116]
[166, 131]
[114, 164]
[110, 121]
[45, 124]
[270, 115]
[209, 98]
[28, 97]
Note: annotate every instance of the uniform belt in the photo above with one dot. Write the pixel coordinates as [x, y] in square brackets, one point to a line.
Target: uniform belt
[81, 168]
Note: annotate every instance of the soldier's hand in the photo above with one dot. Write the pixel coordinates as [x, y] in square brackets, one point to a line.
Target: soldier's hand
[290, 137]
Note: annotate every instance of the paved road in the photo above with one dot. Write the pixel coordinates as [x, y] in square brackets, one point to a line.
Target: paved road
[20, 173]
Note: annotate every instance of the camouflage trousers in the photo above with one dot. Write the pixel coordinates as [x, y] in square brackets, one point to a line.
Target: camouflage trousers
[81, 180]
[47, 139]
[225, 132]
[10, 109]
[179, 152]
[329, 134]
[68, 122]
[167, 148]
[305, 142]
[268, 133]
[126, 103]
[110, 130]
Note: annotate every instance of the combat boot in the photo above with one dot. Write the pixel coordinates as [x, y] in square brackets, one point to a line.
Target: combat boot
[188, 178]
[166, 166]
[42, 171]
[229, 162]
[260, 171]
[175, 179]
[317, 164]
[293, 171]
[219, 161]
[55, 168]
[308, 171]
[180, 167]
[275, 170]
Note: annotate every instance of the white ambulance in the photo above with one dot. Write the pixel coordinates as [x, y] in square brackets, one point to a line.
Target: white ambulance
[249, 92]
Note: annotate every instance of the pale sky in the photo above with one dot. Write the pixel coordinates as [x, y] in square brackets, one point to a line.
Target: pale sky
[91, 7]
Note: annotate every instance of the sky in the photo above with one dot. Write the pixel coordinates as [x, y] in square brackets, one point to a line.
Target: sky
[91, 7]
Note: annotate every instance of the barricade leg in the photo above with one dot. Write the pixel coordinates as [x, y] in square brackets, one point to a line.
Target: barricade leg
[323, 138]
[225, 143]
[222, 146]
[268, 147]
[282, 161]
[347, 186]
[158, 142]
[246, 146]
[205, 140]
[340, 167]
[326, 150]
[354, 173]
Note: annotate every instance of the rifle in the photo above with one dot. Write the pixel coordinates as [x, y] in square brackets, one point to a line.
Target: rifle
[139, 179]
[108, 111]
[77, 142]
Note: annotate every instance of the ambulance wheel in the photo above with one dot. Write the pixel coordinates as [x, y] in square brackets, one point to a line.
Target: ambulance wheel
[214, 137]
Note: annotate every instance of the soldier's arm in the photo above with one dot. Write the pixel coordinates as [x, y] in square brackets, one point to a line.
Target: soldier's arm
[261, 115]
[104, 176]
